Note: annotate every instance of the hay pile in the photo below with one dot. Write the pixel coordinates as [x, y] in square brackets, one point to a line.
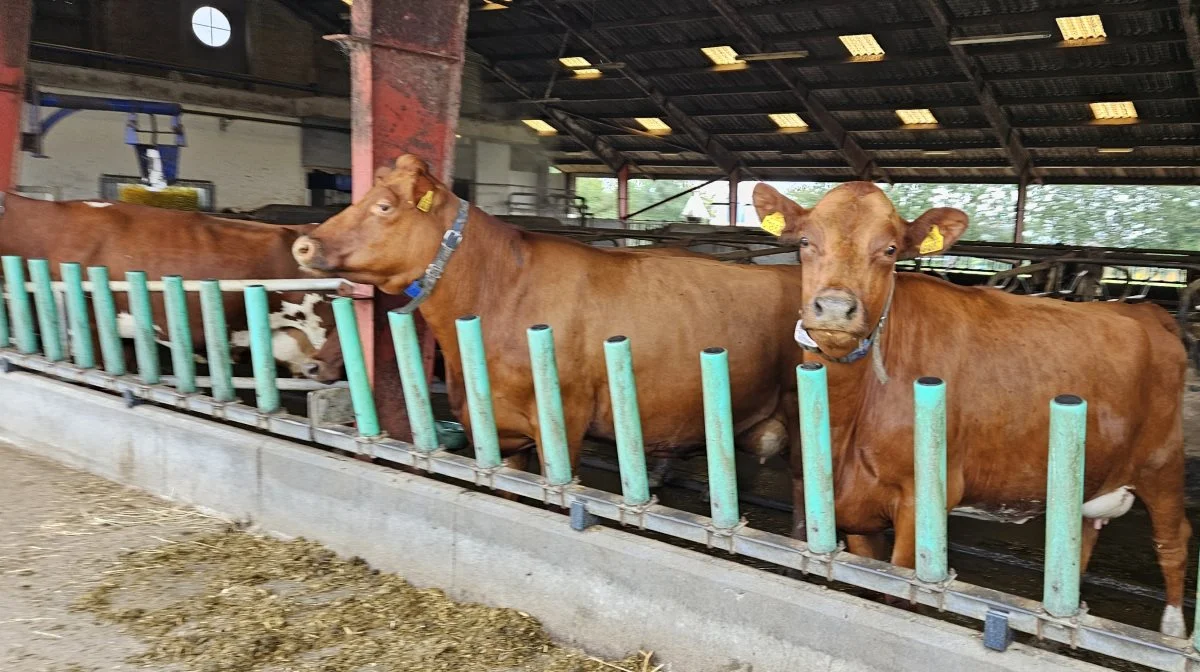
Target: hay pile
[232, 602]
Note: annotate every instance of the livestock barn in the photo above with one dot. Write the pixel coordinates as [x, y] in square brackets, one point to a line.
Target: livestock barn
[546, 335]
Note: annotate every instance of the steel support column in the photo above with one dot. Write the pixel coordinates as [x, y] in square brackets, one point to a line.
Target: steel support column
[406, 59]
[14, 54]
[623, 193]
[733, 199]
[1019, 226]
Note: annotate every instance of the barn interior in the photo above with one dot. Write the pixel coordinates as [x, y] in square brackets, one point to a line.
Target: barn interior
[249, 106]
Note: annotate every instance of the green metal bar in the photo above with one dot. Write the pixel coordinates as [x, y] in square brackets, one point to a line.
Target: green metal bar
[479, 392]
[77, 314]
[627, 421]
[817, 457]
[47, 309]
[365, 416]
[179, 328]
[929, 458]
[216, 340]
[262, 354]
[106, 321]
[412, 379]
[5, 334]
[1064, 503]
[145, 343]
[19, 309]
[718, 434]
[556, 457]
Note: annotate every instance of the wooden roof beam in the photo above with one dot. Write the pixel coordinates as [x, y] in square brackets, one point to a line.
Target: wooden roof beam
[1190, 18]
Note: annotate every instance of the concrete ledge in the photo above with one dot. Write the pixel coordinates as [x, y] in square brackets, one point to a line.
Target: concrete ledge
[603, 589]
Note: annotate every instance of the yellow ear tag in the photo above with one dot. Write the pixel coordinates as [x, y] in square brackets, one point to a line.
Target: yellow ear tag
[773, 223]
[933, 242]
[426, 202]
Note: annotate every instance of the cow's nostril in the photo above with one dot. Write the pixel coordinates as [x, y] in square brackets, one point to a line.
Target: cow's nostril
[818, 308]
[852, 311]
[311, 369]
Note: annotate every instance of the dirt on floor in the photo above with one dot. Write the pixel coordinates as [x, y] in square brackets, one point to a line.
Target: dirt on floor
[94, 576]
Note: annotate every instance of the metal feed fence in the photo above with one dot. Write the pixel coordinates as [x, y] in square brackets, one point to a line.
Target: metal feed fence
[1058, 617]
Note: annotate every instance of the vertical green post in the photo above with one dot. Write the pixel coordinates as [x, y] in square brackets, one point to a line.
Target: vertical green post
[412, 379]
[47, 309]
[929, 459]
[145, 343]
[106, 321]
[77, 314]
[627, 421]
[479, 391]
[1064, 501]
[551, 425]
[179, 328]
[4, 332]
[356, 368]
[19, 309]
[216, 340]
[262, 353]
[817, 456]
[718, 435]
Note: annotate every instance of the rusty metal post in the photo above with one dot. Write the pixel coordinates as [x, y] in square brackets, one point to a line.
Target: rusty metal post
[733, 199]
[406, 60]
[14, 54]
[623, 193]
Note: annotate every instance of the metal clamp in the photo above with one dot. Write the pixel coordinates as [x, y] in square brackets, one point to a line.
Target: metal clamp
[939, 588]
[484, 477]
[636, 512]
[1070, 624]
[712, 533]
[557, 494]
[366, 448]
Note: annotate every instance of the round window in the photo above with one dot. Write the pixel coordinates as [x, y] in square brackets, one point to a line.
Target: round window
[211, 26]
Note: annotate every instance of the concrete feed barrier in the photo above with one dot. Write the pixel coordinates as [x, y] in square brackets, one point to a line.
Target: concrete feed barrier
[603, 589]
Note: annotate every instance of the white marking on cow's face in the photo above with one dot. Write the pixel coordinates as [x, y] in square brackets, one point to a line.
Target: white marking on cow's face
[302, 316]
[292, 347]
[1172, 624]
[97, 204]
[127, 328]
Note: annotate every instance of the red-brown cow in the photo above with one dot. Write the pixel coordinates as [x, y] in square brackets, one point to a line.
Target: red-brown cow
[1003, 358]
[127, 237]
[670, 307]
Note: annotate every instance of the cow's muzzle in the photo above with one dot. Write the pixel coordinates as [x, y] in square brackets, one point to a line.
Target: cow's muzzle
[307, 252]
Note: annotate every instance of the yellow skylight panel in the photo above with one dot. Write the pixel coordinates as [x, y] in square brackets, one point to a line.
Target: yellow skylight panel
[788, 120]
[1119, 110]
[862, 46]
[722, 55]
[1087, 27]
[913, 117]
[540, 126]
[653, 124]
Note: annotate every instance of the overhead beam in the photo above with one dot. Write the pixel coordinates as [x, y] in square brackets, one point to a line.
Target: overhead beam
[677, 118]
[1009, 138]
[304, 12]
[1190, 18]
[596, 144]
[862, 163]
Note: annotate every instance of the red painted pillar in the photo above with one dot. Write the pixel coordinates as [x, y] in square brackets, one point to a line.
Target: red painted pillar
[623, 193]
[406, 61]
[14, 54]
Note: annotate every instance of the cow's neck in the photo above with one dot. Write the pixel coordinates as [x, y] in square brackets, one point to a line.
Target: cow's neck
[482, 271]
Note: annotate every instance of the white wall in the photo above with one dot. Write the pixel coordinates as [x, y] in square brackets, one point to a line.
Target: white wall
[251, 164]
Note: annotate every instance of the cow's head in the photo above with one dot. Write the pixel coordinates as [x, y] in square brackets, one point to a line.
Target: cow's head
[389, 236]
[327, 365]
[849, 243]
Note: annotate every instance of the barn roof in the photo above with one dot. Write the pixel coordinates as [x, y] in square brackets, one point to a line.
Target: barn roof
[1015, 106]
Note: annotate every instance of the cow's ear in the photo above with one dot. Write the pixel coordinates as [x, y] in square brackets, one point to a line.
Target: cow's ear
[425, 196]
[381, 174]
[778, 214]
[411, 163]
[933, 232]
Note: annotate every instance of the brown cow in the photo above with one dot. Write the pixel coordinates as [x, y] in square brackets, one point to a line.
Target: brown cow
[670, 307]
[1003, 357]
[127, 237]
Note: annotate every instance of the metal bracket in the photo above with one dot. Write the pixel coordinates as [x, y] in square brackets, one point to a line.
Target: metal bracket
[723, 533]
[557, 494]
[939, 589]
[131, 399]
[636, 513]
[366, 448]
[581, 518]
[996, 633]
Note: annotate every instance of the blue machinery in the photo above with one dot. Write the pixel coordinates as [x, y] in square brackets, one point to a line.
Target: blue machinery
[158, 163]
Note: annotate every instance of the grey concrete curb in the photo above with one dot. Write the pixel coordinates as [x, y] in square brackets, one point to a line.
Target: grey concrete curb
[604, 590]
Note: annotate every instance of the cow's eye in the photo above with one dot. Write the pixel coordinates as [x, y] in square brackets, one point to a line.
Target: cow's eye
[382, 208]
[890, 251]
[803, 242]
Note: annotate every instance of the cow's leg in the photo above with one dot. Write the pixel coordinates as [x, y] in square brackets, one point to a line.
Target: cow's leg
[1091, 534]
[904, 521]
[799, 520]
[1161, 490]
[868, 545]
